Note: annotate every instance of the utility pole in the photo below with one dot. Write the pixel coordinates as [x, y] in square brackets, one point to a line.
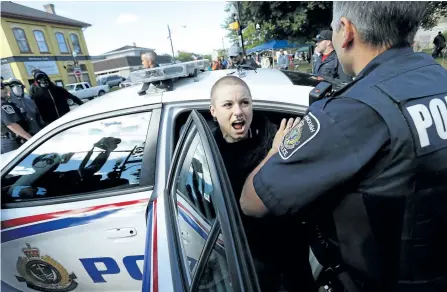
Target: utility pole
[223, 44]
[172, 47]
[240, 26]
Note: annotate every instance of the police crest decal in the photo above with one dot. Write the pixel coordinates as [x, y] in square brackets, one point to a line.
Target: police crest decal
[299, 135]
[43, 273]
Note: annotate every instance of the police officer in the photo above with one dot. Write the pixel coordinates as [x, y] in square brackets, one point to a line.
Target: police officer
[26, 106]
[372, 159]
[14, 126]
[236, 59]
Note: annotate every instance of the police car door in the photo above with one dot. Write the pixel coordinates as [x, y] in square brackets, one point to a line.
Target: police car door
[207, 246]
[74, 202]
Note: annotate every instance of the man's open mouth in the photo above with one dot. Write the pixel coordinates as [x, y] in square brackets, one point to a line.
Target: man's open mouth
[238, 125]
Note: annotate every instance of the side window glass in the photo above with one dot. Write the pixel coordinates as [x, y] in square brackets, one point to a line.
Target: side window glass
[79, 87]
[86, 85]
[196, 213]
[109, 156]
[216, 276]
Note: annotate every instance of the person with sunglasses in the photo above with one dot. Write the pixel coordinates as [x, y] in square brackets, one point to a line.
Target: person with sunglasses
[237, 60]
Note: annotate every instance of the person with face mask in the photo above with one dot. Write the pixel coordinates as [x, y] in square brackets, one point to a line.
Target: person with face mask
[327, 64]
[51, 100]
[25, 104]
[14, 125]
[371, 160]
[244, 139]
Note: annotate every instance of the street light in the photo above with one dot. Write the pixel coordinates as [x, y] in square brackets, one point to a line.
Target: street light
[75, 61]
[235, 12]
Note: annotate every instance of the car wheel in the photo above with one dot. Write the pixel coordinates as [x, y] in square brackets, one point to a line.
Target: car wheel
[70, 102]
[101, 92]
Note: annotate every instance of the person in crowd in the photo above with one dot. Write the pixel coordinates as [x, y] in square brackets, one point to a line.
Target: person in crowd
[369, 163]
[26, 105]
[14, 126]
[236, 59]
[149, 60]
[223, 63]
[439, 44]
[327, 64]
[51, 100]
[244, 139]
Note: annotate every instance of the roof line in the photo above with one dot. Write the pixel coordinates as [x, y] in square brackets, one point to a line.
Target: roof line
[17, 16]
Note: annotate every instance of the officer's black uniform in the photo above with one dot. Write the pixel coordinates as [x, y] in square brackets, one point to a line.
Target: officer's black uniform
[375, 155]
[10, 114]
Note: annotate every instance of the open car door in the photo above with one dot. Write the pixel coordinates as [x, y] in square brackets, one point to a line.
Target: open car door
[207, 246]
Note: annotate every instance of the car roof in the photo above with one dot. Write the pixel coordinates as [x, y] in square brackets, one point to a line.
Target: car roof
[265, 85]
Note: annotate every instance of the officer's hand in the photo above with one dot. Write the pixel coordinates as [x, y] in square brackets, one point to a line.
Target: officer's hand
[284, 128]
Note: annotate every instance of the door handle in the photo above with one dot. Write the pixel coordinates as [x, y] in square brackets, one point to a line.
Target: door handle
[121, 232]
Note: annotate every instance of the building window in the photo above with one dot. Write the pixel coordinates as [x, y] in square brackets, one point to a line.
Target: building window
[61, 42]
[41, 42]
[75, 43]
[20, 36]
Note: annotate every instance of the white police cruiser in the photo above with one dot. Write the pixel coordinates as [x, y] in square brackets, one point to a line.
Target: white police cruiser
[113, 196]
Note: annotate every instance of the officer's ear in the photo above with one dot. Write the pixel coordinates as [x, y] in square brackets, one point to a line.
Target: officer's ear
[212, 110]
[347, 31]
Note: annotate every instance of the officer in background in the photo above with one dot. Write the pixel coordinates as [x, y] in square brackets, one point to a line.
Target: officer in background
[236, 59]
[372, 158]
[25, 104]
[14, 126]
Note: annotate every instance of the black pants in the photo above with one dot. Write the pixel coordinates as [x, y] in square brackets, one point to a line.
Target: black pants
[285, 266]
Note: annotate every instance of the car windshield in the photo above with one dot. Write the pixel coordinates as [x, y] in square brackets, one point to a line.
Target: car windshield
[70, 87]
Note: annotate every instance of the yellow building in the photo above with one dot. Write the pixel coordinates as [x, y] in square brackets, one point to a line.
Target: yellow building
[34, 39]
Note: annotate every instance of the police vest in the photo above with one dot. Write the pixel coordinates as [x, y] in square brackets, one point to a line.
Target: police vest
[391, 230]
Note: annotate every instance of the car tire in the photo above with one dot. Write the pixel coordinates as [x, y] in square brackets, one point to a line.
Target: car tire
[70, 102]
[101, 92]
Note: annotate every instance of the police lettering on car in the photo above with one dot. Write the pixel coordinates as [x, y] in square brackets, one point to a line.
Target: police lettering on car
[373, 157]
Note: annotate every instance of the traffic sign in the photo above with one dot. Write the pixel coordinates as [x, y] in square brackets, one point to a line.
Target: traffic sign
[78, 73]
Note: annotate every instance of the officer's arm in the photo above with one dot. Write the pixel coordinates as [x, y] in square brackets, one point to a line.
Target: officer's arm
[336, 140]
[19, 131]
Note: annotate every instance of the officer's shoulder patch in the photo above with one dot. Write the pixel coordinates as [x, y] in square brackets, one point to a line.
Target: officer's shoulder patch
[8, 109]
[299, 136]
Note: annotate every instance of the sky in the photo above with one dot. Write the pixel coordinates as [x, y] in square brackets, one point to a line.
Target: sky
[195, 26]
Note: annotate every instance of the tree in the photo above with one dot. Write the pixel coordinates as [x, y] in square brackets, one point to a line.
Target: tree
[299, 21]
[435, 10]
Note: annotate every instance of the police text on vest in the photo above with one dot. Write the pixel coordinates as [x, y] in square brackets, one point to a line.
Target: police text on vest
[424, 117]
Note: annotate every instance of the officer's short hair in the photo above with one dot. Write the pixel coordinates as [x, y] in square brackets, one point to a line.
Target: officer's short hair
[227, 80]
[381, 23]
[151, 55]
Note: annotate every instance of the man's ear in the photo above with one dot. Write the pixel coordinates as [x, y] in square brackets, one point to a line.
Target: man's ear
[212, 111]
[347, 30]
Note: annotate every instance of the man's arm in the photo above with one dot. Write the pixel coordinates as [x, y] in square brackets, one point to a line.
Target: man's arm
[323, 152]
[19, 131]
[250, 203]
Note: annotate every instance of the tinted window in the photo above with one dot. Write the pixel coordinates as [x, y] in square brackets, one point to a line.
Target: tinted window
[109, 156]
[79, 87]
[216, 276]
[195, 211]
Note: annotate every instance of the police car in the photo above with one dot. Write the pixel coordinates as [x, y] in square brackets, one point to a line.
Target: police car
[129, 192]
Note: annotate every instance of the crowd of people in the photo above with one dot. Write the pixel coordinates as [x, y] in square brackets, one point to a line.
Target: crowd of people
[23, 114]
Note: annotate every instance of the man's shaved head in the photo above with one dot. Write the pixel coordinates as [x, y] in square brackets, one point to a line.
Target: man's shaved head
[227, 80]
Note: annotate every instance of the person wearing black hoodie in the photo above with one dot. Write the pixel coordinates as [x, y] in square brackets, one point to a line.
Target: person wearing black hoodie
[244, 140]
[50, 99]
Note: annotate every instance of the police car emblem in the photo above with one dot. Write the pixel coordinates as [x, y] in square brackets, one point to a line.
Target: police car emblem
[299, 135]
[8, 109]
[43, 273]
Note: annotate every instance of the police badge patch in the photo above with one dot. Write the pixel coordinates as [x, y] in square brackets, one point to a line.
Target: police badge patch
[8, 109]
[299, 136]
[42, 273]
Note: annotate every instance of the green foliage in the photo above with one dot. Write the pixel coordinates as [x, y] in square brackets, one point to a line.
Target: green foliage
[435, 10]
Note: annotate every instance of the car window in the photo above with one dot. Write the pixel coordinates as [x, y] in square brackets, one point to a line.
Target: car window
[216, 276]
[109, 156]
[69, 87]
[195, 211]
[79, 87]
[86, 85]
